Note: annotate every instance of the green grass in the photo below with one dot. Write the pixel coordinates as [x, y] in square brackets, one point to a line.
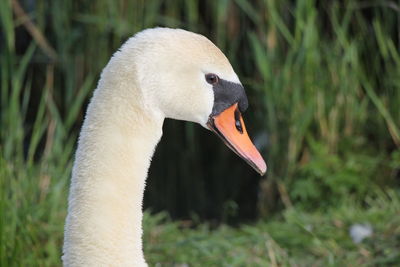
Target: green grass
[297, 238]
[33, 211]
[323, 83]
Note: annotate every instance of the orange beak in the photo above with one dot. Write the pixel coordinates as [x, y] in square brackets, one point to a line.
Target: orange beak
[229, 126]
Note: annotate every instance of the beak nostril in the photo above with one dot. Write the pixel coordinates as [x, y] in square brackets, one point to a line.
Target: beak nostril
[239, 126]
[238, 123]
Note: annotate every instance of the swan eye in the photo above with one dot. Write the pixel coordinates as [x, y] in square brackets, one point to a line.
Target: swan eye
[212, 78]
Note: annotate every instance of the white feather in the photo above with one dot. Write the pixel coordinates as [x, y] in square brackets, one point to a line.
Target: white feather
[158, 73]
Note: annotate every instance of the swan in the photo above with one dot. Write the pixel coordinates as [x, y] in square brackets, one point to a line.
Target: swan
[158, 73]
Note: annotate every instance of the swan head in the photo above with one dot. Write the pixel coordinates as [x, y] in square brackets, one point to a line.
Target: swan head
[186, 77]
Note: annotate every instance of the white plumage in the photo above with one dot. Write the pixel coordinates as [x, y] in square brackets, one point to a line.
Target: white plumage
[157, 74]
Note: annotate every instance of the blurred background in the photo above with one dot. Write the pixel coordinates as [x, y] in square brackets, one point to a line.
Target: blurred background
[323, 81]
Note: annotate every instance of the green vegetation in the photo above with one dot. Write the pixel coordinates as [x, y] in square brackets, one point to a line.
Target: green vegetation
[323, 80]
[295, 239]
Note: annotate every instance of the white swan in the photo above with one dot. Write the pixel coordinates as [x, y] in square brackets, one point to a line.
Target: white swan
[159, 73]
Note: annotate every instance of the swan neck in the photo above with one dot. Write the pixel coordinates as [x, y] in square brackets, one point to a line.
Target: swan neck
[104, 222]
